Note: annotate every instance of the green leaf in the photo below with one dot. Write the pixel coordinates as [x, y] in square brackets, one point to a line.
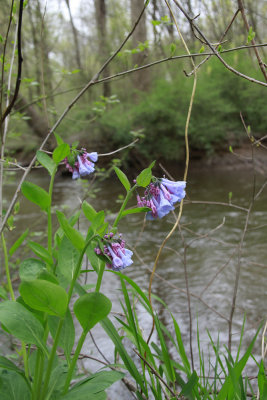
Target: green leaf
[44, 296]
[58, 139]
[68, 257]
[155, 22]
[46, 161]
[67, 334]
[3, 293]
[128, 362]
[172, 48]
[36, 194]
[91, 308]
[41, 252]
[7, 364]
[74, 236]
[21, 323]
[236, 371]
[62, 151]
[135, 210]
[18, 242]
[13, 386]
[144, 177]
[181, 347]
[189, 386]
[98, 221]
[30, 269]
[93, 385]
[262, 381]
[123, 178]
[88, 211]
[202, 49]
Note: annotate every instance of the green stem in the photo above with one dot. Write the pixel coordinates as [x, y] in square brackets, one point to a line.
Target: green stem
[74, 361]
[100, 276]
[49, 214]
[25, 359]
[124, 204]
[9, 284]
[51, 358]
[38, 376]
[54, 348]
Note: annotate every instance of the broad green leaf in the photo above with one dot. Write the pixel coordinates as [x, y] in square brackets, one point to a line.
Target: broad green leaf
[93, 385]
[46, 161]
[30, 269]
[135, 210]
[74, 236]
[67, 334]
[88, 211]
[91, 308]
[41, 252]
[58, 139]
[144, 177]
[62, 151]
[57, 380]
[44, 296]
[18, 242]
[7, 364]
[3, 293]
[128, 362]
[21, 323]
[98, 220]
[68, 257]
[38, 314]
[13, 386]
[123, 178]
[36, 194]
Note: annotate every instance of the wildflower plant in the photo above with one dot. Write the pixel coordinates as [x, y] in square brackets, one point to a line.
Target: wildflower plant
[42, 310]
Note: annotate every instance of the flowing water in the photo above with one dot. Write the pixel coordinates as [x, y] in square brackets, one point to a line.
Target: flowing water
[206, 246]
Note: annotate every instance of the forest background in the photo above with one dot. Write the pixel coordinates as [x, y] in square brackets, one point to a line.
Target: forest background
[65, 42]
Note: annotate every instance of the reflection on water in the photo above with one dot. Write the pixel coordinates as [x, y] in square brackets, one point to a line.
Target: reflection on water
[210, 256]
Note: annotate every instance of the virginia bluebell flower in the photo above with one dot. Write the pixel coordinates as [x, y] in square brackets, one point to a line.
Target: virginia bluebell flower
[160, 196]
[115, 249]
[81, 163]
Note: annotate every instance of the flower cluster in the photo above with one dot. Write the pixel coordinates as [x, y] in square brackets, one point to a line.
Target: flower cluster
[115, 249]
[160, 196]
[78, 163]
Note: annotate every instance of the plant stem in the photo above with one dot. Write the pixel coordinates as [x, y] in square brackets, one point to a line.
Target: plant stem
[74, 361]
[9, 284]
[124, 204]
[49, 215]
[51, 359]
[100, 276]
[54, 348]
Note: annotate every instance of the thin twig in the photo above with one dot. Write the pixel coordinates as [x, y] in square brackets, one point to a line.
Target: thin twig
[261, 64]
[216, 47]
[216, 53]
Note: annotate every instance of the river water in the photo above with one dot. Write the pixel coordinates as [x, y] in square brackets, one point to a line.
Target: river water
[206, 244]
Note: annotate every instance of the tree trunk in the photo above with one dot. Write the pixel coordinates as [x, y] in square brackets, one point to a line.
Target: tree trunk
[140, 79]
[75, 37]
[101, 22]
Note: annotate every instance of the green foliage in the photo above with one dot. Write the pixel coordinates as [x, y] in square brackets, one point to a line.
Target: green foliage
[215, 121]
[36, 194]
[91, 308]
